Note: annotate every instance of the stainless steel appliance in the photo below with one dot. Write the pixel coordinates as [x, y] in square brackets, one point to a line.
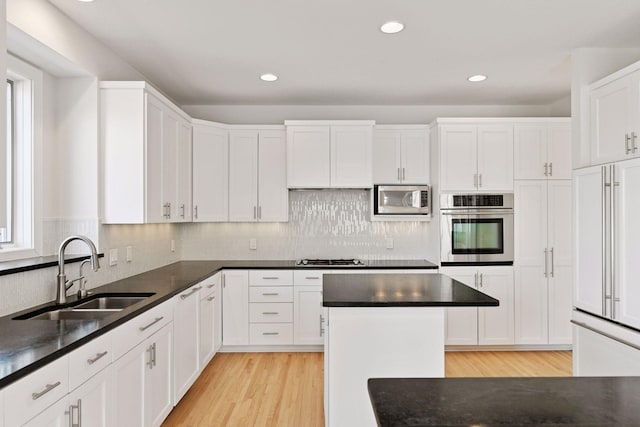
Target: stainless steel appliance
[330, 262]
[476, 229]
[401, 200]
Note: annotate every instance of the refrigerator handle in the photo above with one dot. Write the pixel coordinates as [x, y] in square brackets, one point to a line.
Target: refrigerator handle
[546, 266]
[612, 242]
[604, 240]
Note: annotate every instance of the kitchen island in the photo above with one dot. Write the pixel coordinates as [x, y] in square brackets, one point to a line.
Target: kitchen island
[384, 325]
[570, 401]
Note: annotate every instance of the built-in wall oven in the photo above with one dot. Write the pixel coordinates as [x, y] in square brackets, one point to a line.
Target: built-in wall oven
[476, 229]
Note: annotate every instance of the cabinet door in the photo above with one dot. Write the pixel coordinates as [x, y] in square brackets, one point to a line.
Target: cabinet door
[627, 242]
[308, 323]
[461, 323]
[183, 158]
[531, 262]
[186, 319]
[386, 156]
[611, 115]
[129, 374]
[415, 157]
[273, 195]
[308, 157]
[495, 324]
[207, 327]
[217, 317]
[458, 158]
[559, 152]
[530, 152]
[170, 121]
[588, 203]
[495, 158]
[235, 307]
[351, 156]
[243, 176]
[155, 211]
[158, 389]
[210, 174]
[56, 415]
[560, 240]
[93, 400]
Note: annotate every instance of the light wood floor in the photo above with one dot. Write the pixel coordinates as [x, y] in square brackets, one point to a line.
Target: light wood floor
[286, 389]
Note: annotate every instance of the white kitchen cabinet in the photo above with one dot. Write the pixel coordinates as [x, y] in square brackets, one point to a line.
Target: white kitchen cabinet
[543, 150]
[210, 321]
[57, 415]
[210, 172]
[1, 408]
[543, 240]
[615, 118]
[484, 325]
[257, 176]
[476, 157]
[159, 395]
[308, 315]
[326, 154]
[186, 337]
[235, 307]
[92, 402]
[147, 165]
[400, 155]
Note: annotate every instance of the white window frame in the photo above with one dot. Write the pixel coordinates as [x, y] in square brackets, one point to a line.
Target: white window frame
[27, 175]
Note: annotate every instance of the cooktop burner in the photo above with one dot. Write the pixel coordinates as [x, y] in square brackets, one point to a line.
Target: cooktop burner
[330, 262]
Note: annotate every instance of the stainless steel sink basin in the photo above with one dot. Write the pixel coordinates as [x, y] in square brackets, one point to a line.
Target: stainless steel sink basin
[96, 306]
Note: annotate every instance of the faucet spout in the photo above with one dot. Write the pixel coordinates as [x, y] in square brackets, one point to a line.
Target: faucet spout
[61, 289]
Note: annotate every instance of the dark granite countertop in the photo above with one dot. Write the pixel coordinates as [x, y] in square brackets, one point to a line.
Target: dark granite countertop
[400, 290]
[568, 401]
[26, 345]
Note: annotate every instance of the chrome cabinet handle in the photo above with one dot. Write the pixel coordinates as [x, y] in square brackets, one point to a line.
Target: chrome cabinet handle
[188, 294]
[71, 414]
[211, 286]
[612, 242]
[98, 357]
[270, 294]
[150, 351]
[321, 324]
[259, 212]
[255, 212]
[211, 299]
[627, 143]
[404, 175]
[47, 389]
[475, 279]
[182, 211]
[270, 277]
[156, 320]
[271, 333]
[154, 354]
[551, 169]
[399, 178]
[479, 180]
[475, 180]
[195, 211]
[546, 265]
[546, 169]
[312, 277]
[634, 147]
[552, 263]
[274, 313]
[481, 280]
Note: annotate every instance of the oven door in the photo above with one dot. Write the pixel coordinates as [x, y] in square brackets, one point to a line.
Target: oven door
[477, 237]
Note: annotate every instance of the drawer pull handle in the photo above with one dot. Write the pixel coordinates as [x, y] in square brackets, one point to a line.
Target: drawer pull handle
[98, 357]
[270, 294]
[47, 389]
[271, 333]
[271, 278]
[157, 319]
[211, 298]
[211, 286]
[312, 277]
[188, 294]
[270, 312]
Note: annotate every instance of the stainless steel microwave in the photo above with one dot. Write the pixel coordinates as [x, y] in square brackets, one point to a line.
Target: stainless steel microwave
[401, 200]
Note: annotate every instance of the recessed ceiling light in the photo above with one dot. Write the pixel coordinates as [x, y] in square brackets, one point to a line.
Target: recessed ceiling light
[392, 27]
[477, 78]
[268, 77]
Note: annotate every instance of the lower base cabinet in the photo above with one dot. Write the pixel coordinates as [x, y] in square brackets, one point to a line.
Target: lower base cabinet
[308, 324]
[57, 415]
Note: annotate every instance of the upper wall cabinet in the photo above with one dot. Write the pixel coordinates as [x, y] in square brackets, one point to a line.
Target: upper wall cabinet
[257, 175]
[327, 154]
[543, 150]
[401, 155]
[147, 155]
[210, 172]
[475, 157]
[615, 117]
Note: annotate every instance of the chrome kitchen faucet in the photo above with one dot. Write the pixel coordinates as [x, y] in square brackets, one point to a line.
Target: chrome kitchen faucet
[63, 284]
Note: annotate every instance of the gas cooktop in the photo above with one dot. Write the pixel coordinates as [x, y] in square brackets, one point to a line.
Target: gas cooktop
[354, 262]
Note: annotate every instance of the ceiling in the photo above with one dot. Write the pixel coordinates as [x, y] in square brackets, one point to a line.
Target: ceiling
[331, 52]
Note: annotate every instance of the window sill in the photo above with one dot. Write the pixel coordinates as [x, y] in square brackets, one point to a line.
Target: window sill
[36, 263]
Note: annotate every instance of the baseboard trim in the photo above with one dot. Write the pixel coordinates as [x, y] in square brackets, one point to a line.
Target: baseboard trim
[271, 349]
[546, 347]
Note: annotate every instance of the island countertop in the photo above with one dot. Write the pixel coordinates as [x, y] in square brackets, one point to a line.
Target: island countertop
[571, 401]
[400, 290]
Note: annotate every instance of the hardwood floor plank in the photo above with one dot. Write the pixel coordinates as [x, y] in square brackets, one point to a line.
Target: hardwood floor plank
[286, 389]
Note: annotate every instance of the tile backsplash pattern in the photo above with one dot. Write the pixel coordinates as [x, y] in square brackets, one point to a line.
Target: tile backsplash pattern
[333, 223]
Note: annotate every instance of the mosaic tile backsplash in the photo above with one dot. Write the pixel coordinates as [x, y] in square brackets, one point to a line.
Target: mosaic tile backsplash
[322, 224]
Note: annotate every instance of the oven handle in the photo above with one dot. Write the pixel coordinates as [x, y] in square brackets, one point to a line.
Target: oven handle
[476, 213]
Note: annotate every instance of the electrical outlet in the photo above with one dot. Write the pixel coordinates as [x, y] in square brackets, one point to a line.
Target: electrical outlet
[253, 244]
[173, 245]
[389, 242]
[113, 257]
[129, 254]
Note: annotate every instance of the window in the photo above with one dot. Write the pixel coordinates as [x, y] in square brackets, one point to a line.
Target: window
[20, 222]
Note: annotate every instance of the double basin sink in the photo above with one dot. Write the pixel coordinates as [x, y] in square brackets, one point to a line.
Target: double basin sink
[94, 307]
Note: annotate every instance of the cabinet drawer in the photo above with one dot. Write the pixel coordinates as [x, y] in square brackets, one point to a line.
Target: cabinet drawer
[32, 394]
[89, 359]
[271, 294]
[136, 330]
[270, 278]
[271, 333]
[271, 312]
[308, 277]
